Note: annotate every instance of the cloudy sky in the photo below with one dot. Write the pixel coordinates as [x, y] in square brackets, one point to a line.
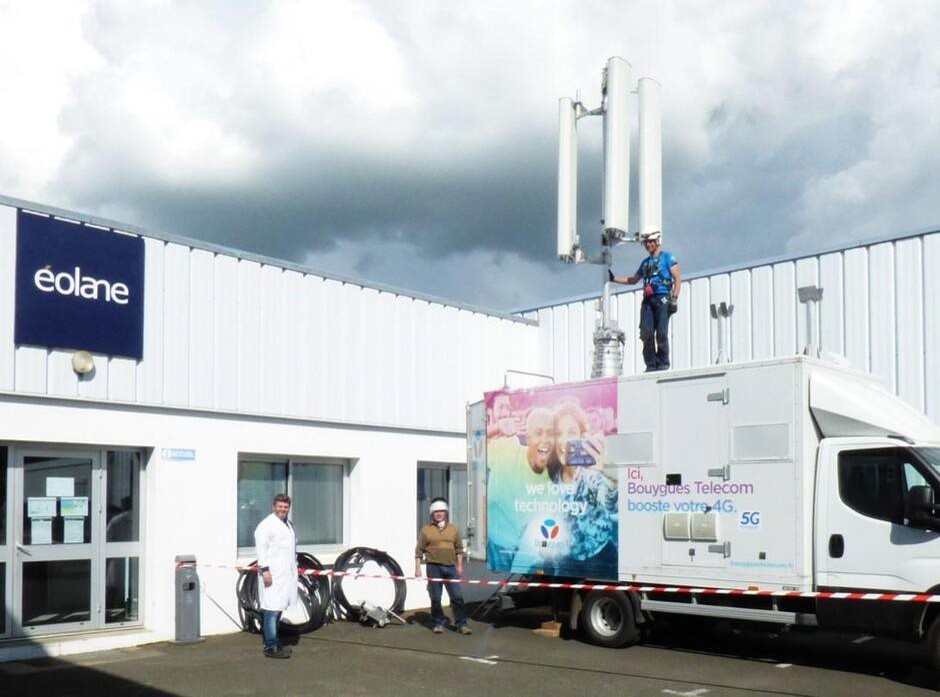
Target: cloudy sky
[413, 143]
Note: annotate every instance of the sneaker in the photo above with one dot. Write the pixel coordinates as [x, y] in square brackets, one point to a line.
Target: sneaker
[465, 630]
[438, 629]
[279, 652]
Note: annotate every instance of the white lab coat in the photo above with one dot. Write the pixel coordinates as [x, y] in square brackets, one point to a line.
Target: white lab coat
[276, 545]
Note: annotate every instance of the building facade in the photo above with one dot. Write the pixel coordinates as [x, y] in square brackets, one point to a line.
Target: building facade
[156, 392]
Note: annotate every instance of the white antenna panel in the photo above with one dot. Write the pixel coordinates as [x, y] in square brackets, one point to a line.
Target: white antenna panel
[567, 179]
[617, 147]
[650, 157]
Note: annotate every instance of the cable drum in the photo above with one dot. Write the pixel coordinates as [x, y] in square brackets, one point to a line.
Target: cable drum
[349, 593]
[310, 612]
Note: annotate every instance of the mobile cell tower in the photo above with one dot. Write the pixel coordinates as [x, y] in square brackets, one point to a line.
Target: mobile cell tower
[616, 90]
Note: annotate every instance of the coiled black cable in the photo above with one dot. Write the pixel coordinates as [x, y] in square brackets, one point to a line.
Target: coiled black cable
[318, 590]
[313, 593]
[355, 558]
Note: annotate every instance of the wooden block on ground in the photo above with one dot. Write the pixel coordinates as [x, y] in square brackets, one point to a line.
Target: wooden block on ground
[549, 629]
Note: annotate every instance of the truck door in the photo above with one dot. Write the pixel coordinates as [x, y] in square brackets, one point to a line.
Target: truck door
[862, 539]
[694, 450]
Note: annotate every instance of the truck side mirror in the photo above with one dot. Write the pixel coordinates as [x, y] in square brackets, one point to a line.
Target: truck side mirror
[919, 508]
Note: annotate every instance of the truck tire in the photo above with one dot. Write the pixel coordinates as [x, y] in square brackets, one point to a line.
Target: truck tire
[932, 641]
[608, 619]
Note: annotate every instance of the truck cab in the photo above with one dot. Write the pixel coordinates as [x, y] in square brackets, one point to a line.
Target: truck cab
[877, 531]
[876, 523]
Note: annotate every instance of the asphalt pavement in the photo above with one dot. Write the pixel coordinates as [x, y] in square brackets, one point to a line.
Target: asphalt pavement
[501, 658]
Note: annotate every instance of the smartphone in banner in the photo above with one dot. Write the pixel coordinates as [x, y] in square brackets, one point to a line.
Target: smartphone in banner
[577, 454]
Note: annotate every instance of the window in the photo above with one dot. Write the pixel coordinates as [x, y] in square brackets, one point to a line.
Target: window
[317, 494]
[913, 478]
[916, 474]
[875, 482]
[3, 500]
[123, 497]
[440, 479]
[870, 482]
[317, 490]
[3, 539]
[258, 482]
[931, 456]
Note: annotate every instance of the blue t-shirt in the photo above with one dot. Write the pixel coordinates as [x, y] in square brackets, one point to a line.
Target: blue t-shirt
[655, 272]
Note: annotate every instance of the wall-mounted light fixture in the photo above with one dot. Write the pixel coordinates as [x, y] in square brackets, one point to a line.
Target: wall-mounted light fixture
[83, 363]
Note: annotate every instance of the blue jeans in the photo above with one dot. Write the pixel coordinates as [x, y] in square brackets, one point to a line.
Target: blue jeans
[269, 623]
[654, 331]
[445, 571]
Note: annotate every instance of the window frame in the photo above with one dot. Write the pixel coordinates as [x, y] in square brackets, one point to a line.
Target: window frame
[325, 549]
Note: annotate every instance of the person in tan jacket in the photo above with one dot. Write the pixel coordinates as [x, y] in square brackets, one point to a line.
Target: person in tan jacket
[440, 546]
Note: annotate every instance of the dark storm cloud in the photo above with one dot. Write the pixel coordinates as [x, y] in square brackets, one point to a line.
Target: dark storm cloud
[743, 203]
[502, 201]
[735, 206]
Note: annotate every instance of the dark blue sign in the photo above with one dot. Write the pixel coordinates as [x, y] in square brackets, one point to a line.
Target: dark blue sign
[78, 287]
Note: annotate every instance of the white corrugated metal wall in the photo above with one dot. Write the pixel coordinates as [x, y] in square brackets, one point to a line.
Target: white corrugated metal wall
[879, 309]
[233, 334]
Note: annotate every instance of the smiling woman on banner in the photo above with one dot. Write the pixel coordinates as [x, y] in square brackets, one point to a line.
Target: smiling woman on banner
[588, 496]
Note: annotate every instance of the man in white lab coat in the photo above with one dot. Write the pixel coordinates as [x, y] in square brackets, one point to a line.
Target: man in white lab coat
[277, 566]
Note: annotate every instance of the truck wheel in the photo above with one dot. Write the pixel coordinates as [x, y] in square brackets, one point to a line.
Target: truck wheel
[608, 619]
[932, 641]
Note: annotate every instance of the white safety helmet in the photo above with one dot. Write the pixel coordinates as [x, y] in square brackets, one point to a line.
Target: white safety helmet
[439, 505]
[655, 235]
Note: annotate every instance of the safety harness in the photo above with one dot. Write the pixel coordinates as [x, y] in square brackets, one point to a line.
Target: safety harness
[651, 269]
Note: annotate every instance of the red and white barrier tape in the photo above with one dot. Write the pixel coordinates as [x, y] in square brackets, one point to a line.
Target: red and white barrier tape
[685, 590]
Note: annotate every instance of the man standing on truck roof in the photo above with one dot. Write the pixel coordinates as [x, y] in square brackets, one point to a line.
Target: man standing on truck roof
[662, 281]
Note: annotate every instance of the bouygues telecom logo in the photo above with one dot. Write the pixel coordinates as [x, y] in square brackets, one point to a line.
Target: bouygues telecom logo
[78, 287]
[549, 529]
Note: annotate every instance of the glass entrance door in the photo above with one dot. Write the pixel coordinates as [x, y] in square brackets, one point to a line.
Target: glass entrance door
[71, 539]
[57, 518]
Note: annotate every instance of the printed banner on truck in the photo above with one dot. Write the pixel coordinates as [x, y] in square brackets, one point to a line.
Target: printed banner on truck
[551, 509]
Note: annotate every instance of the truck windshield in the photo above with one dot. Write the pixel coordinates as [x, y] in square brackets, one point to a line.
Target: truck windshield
[932, 457]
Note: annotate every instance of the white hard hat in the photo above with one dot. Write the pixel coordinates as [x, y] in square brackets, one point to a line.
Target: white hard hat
[655, 235]
[437, 506]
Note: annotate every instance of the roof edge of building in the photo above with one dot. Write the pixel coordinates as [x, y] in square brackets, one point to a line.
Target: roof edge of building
[766, 261]
[249, 256]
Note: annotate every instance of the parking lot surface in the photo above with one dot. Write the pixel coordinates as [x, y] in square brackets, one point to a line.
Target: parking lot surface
[503, 658]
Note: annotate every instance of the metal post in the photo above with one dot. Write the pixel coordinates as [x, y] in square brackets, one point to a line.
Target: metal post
[721, 313]
[608, 338]
[811, 296]
[187, 600]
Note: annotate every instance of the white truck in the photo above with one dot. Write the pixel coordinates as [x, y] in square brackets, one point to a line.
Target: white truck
[788, 475]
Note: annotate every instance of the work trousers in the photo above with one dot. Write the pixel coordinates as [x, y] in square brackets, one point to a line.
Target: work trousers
[654, 331]
[269, 624]
[445, 571]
